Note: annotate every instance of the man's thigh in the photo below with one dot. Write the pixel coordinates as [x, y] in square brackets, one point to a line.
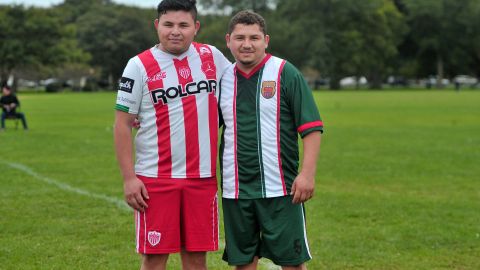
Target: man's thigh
[158, 228]
[242, 231]
[199, 215]
[284, 237]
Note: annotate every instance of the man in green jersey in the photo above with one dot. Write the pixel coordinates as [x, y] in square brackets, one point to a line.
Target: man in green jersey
[265, 103]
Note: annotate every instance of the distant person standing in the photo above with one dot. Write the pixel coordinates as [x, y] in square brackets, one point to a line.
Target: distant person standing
[172, 187]
[265, 104]
[10, 103]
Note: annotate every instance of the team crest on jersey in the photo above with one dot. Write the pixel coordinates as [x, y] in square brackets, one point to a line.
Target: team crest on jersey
[154, 238]
[184, 72]
[268, 89]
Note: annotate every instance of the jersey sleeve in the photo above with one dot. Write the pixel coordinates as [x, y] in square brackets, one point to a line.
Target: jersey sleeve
[300, 101]
[221, 62]
[129, 95]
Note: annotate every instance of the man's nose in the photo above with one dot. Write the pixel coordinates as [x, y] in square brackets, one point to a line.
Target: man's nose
[247, 43]
[176, 30]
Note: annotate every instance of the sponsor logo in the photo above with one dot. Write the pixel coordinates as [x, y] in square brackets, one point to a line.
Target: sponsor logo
[268, 89]
[126, 84]
[184, 72]
[154, 238]
[165, 95]
[204, 50]
[126, 100]
[208, 67]
[157, 77]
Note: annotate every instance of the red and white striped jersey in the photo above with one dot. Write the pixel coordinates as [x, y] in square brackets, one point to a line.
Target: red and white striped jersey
[175, 100]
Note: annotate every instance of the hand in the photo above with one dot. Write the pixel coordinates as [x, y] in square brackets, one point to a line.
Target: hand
[135, 194]
[136, 123]
[302, 188]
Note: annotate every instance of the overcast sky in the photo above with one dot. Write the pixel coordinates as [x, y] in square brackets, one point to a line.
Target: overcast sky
[46, 3]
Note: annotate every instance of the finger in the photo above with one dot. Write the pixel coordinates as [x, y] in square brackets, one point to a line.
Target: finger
[296, 197]
[140, 201]
[294, 187]
[308, 196]
[144, 192]
[133, 203]
[304, 197]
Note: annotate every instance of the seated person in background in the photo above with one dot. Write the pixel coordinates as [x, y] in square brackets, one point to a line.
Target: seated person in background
[9, 103]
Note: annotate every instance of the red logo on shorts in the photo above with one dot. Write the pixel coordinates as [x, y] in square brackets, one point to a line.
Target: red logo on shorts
[154, 238]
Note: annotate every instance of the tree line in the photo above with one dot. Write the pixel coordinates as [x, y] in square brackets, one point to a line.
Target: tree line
[331, 39]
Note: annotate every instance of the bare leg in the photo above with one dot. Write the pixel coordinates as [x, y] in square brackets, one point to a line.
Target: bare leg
[297, 267]
[154, 262]
[250, 266]
[194, 260]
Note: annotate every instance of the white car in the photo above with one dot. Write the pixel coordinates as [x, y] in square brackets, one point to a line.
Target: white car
[352, 81]
[465, 80]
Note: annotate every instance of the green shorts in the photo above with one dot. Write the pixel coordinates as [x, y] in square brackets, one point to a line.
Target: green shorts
[273, 228]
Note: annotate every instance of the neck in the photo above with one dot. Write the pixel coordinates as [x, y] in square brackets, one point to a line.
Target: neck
[249, 69]
[161, 48]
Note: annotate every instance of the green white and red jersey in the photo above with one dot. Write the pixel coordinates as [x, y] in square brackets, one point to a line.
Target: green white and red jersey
[263, 112]
[174, 98]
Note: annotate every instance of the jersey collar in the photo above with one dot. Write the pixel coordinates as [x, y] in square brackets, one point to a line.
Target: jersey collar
[255, 69]
[161, 54]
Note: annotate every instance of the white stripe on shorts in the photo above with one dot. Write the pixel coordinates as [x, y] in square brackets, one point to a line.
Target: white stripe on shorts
[305, 232]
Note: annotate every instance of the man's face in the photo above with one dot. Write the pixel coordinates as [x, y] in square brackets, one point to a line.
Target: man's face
[247, 44]
[5, 91]
[176, 30]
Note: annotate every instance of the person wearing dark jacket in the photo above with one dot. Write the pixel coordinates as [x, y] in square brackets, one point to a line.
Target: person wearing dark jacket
[10, 103]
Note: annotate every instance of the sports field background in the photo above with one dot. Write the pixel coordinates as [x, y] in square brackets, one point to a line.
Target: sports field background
[398, 184]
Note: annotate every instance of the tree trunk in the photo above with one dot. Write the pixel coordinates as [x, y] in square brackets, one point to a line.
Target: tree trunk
[334, 83]
[3, 78]
[375, 81]
[439, 72]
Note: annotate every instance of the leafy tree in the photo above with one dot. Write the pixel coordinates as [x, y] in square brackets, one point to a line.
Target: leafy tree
[236, 5]
[442, 32]
[212, 31]
[35, 39]
[342, 38]
[114, 33]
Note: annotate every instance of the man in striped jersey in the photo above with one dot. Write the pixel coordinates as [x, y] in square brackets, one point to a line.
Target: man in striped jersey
[265, 102]
[172, 186]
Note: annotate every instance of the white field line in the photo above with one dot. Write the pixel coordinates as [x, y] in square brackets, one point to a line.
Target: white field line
[66, 187]
[115, 201]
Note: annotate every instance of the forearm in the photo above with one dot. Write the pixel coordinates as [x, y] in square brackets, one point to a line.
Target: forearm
[311, 148]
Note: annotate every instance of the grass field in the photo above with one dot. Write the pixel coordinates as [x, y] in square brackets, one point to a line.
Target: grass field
[398, 184]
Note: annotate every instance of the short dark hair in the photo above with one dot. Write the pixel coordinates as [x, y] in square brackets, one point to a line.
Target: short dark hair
[176, 5]
[247, 17]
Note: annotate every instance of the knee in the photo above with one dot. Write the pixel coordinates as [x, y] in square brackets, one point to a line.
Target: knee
[295, 267]
[152, 261]
[194, 260]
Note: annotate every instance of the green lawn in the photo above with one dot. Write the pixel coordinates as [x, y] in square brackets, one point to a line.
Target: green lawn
[398, 184]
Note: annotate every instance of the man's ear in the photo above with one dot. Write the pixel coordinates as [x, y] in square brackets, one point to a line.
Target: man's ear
[227, 39]
[197, 27]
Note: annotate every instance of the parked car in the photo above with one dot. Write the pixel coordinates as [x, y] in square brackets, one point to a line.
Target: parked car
[353, 81]
[465, 80]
